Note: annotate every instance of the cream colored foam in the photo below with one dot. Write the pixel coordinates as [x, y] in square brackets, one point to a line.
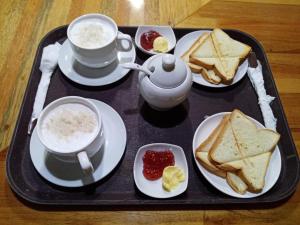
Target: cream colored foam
[69, 126]
[91, 34]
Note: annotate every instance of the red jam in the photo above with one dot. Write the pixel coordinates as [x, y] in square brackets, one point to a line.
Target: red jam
[155, 162]
[148, 38]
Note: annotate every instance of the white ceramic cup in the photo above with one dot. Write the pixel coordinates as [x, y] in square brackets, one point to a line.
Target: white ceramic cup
[101, 56]
[80, 154]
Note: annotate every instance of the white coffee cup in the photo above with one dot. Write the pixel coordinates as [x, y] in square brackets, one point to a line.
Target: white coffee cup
[95, 40]
[71, 129]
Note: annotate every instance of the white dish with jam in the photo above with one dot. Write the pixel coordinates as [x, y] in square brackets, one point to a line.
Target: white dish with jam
[154, 188]
[165, 31]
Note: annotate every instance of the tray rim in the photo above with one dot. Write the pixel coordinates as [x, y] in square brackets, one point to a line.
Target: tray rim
[153, 202]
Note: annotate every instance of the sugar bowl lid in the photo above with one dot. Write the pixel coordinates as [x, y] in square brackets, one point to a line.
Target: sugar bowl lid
[168, 71]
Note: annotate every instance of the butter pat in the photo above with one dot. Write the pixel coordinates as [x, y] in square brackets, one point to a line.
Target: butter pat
[172, 176]
[160, 44]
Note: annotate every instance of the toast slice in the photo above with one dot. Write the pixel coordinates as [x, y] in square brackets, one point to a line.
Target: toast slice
[210, 76]
[220, 53]
[236, 183]
[250, 140]
[202, 157]
[230, 52]
[228, 47]
[206, 145]
[205, 55]
[186, 56]
[225, 149]
[240, 138]
[251, 170]
[230, 66]
[195, 68]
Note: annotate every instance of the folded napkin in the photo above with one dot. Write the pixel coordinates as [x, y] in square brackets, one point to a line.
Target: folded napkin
[47, 66]
[264, 100]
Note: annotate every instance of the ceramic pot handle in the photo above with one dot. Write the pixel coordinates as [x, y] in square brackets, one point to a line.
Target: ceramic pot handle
[124, 37]
[85, 163]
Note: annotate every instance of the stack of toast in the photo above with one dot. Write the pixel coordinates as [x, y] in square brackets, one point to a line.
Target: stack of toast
[216, 56]
[239, 152]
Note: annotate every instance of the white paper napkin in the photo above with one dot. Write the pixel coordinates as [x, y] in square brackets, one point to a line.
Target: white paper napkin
[264, 100]
[47, 66]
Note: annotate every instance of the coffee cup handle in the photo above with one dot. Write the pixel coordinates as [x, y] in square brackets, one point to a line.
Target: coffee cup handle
[124, 37]
[85, 163]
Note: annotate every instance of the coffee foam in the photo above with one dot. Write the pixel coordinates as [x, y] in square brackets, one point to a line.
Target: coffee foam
[91, 33]
[69, 126]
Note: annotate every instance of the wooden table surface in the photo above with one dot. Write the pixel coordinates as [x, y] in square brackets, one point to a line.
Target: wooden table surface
[275, 23]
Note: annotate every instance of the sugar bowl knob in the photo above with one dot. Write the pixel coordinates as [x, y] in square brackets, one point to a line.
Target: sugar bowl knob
[168, 62]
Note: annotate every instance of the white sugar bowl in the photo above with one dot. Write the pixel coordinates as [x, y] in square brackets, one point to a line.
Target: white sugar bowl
[165, 82]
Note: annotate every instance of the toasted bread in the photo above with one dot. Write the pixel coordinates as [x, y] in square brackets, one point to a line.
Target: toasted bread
[202, 157]
[251, 170]
[251, 140]
[220, 53]
[210, 76]
[240, 138]
[203, 149]
[237, 148]
[228, 47]
[205, 55]
[186, 56]
[236, 183]
[208, 142]
[230, 66]
[195, 68]
[225, 149]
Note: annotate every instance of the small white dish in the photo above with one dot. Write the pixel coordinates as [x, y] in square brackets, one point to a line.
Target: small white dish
[93, 76]
[154, 188]
[165, 31]
[54, 170]
[186, 42]
[203, 131]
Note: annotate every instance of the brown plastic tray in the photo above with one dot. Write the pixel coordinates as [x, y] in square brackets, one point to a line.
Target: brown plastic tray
[144, 126]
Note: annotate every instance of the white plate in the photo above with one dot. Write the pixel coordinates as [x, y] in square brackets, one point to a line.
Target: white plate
[93, 76]
[165, 31]
[203, 131]
[186, 42]
[154, 188]
[70, 174]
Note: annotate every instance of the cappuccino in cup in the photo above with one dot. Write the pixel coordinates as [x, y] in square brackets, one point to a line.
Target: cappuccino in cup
[71, 129]
[69, 125]
[91, 33]
[95, 40]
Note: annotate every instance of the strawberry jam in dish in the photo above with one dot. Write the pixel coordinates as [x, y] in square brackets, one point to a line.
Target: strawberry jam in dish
[155, 162]
[148, 38]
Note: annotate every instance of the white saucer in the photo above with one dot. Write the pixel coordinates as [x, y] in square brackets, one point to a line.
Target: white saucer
[70, 174]
[186, 42]
[273, 172]
[154, 188]
[89, 76]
